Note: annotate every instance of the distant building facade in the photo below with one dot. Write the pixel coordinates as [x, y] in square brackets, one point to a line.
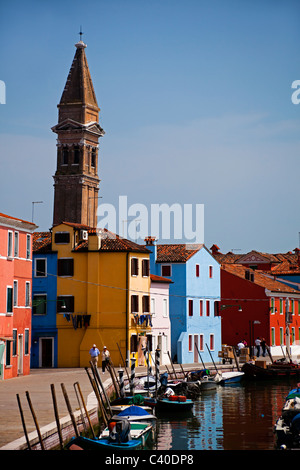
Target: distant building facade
[194, 299]
[15, 297]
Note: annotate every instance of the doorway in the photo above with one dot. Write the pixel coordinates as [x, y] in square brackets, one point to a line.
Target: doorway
[46, 352]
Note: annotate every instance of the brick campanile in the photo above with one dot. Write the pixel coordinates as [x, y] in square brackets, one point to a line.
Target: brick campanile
[76, 181]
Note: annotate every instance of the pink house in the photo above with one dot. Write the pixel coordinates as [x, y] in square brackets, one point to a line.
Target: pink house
[15, 295]
[161, 326]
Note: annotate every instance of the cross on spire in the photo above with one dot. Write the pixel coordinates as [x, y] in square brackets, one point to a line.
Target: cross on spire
[80, 33]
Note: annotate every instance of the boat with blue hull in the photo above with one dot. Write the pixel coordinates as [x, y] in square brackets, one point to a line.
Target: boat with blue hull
[174, 404]
[229, 378]
[119, 435]
[287, 427]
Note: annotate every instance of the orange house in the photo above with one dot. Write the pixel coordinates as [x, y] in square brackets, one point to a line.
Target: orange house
[15, 296]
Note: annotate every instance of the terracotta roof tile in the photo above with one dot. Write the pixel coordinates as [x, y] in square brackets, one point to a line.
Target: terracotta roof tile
[155, 278]
[41, 242]
[260, 279]
[179, 253]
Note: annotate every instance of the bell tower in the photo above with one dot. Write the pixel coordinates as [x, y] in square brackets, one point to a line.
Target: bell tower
[76, 181]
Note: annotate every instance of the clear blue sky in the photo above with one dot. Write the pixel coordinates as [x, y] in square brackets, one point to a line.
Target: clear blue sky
[195, 100]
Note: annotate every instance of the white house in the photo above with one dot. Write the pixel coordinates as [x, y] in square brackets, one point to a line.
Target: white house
[161, 325]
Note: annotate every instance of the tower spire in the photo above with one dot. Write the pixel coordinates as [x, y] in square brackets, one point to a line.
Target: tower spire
[76, 181]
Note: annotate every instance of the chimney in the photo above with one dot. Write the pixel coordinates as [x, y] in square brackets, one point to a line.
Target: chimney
[214, 249]
[150, 241]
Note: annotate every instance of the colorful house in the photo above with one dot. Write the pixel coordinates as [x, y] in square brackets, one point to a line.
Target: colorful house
[103, 295]
[194, 299]
[15, 298]
[254, 304]
[44, 293]
[161, 325]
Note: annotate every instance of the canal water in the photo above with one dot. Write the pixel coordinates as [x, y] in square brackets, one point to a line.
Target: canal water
[231, 417]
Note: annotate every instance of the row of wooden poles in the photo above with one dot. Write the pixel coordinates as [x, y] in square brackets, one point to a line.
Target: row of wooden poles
[100, 393]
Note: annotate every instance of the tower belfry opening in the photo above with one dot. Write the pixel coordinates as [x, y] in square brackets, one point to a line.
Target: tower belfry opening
[76, 180]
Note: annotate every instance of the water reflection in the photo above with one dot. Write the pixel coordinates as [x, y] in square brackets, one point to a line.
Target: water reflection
[236, 417]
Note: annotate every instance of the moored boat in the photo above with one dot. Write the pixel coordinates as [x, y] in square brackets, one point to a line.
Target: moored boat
[119, 435]
[287, 427]
[175, 403]
[272, 371]
[227, 378]
[134, 413]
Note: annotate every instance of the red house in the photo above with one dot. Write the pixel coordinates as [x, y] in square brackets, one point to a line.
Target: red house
[254, 304]
[15, 296]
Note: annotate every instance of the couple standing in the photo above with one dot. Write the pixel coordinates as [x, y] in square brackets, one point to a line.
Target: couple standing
[260, 343]
[94, 353]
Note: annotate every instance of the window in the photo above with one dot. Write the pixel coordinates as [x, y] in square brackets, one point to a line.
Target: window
[65, 304]
[134, 304]
[207, 308]
[26, 345]
[190, 307]
[210, 270]
[281, 306]
[281, 335]
[293, 335]
[28, 247]
[145, 267]
[65, 267]
[76, 155]
[40, 267]
[197, 270]
[65, 156]
[39, 304]
[133, 343]
[15, 293]
[201, 308]
[292, 306]
[149, 342]
[272, 336]
[16, 250]
[14, 343]
[27, 294]
[9, 300]
[134, 266]
[166, 270]
[93, 158]
[62, 237]
[212, 342]
[146, 304]
[165, 308]
[201, 345]
[216, 308]
[190, 343]
[10, 244]
[272, 309]
[153, 306]
[8, 353]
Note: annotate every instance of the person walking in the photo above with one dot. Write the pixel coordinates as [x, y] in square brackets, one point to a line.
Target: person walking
[94, 353]
[105, 358]
[257, 344]
[263, 346]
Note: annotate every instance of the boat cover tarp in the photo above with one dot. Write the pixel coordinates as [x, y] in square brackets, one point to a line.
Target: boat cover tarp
[133, 411]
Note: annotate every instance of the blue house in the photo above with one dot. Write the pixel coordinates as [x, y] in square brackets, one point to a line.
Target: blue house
[44, 294]
[194, 299]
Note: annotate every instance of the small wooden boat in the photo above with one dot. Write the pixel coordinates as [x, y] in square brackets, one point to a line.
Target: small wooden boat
[228, 378]
[143, 385]
[134, 413]
[174, 403]
[139, 400]
[119, 435]
[207, 383]
[287, 427]
[273, 371]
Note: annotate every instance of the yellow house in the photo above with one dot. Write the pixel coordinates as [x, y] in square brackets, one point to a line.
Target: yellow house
[103, 286]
